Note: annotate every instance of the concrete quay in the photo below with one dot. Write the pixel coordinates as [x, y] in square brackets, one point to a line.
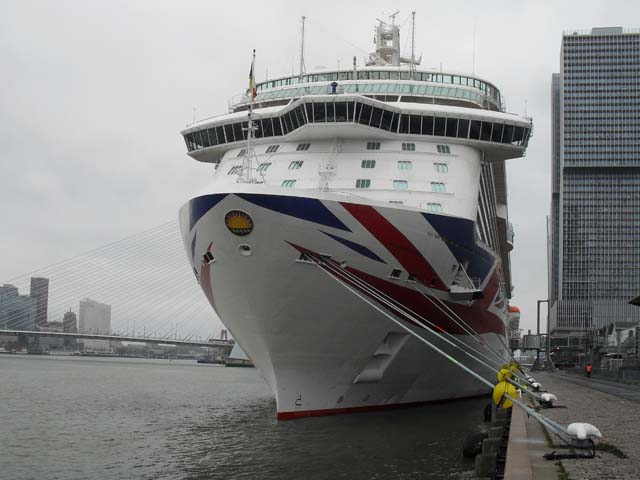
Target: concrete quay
[612, 408]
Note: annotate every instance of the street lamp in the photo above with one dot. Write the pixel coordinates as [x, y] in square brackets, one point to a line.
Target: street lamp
[538, 332]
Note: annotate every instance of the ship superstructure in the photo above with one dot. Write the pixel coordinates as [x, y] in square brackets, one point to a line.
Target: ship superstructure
[388, 173]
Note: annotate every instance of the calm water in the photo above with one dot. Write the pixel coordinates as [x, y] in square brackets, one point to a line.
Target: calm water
[78, 418]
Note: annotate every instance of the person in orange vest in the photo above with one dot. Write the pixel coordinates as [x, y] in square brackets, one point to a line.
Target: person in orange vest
[588, 369]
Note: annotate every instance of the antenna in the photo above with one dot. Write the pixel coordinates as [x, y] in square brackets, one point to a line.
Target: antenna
[473, 62]
[413, 45]
[302, 49]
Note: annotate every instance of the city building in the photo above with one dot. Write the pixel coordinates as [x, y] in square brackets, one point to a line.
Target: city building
[70, 322]
[594, 226]
[17, 312]
[40, 294]
[95, 317]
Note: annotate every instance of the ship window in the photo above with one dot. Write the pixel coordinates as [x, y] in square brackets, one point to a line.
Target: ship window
[435, 207]
[212, 136]
[220, 135]
[309, 108]
[463, 128]
[409, 147]
[496, 135]
[443, 148]
[208, 258]
[286, 124]
[387, 117]
[376, 117]
[404, 123]
[404, 165]
[228, 130]
[264, 166]
[394, 122]
[277, 127]
[394, 75]
[204, 139]
[400, 185]
[237, 130]
[363, 183]
[296, 164]
[242, 152]
[350, 111]
[507, 134]
[330, 113]
[438, 187]
[452, 127]
[300, 116]
[427, 125]
[258, 131]
[396, 202]
[440, 124]
[365, 115]
[368, 164]
[412, 278]
[517, 135]
[441, 167]
[303, 147]
[341, 112]
[373, 145]
[395, 273]
[288, 183]
[319, 113]
[474, 132]
[414, 125]
[293, 119]
[485, 132]
[267, 127]
[235, 169]
[272, 148]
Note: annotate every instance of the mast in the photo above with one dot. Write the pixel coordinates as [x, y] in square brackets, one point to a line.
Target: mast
[413, 43]
[247, 163]
[302, 69]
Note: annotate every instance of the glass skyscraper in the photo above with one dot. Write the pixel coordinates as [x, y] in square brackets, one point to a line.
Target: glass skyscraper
[594, 227]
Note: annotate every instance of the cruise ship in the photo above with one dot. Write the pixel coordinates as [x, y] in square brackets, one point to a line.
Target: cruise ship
[350, 212]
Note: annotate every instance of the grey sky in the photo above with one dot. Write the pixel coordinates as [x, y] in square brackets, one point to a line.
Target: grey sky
[93, 95]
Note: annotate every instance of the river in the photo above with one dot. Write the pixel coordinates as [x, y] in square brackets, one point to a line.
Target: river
[117, 418]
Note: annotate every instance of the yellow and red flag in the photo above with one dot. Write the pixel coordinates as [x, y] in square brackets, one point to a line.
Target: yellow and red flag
[252, 81]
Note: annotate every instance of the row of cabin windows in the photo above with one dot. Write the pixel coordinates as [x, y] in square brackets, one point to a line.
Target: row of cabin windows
[364, 114]
[438, 187]
[486, 88]
[302, 147]
[297, 164]
[432, 206]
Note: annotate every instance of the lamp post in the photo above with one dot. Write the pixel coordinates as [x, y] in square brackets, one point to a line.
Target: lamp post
[538, 331]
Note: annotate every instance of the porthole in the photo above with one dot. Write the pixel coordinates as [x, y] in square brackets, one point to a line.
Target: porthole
[245, 250]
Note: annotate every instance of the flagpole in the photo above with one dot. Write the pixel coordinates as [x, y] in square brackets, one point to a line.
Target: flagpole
[250, 124]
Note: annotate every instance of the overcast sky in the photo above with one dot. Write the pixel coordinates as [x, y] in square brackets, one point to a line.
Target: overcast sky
[93, 96]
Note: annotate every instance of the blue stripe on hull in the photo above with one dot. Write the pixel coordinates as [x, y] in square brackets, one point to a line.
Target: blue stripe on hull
[309, 209]
[200, 205]
[460, 236]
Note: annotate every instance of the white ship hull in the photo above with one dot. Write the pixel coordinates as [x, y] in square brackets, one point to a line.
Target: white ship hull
[320, 346]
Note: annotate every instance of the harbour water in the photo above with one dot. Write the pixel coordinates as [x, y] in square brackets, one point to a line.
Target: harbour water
[116, 418]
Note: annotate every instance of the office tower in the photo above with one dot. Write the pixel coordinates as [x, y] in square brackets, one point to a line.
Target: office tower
[95, 317]
[594, 227]
[16, 311]
[40, 295]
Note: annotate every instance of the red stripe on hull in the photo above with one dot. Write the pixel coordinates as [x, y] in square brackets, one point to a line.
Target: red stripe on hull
[397, 244]
[367, 408]
[476, 316]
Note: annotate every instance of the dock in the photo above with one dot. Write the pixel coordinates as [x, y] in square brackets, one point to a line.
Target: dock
[613, 407]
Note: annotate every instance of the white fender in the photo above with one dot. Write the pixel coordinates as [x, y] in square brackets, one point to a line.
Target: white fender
[582, 431]
[548, 398]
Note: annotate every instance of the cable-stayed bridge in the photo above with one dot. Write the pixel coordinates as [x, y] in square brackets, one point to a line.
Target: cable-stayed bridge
[143, 281]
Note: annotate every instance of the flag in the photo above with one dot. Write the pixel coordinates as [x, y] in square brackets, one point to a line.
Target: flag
[252, 81]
